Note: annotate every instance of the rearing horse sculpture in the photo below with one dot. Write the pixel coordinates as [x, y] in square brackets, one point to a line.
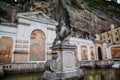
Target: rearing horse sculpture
[63, 29]
[62, 35]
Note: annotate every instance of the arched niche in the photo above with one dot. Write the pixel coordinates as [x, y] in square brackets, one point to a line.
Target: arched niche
[84, 52]
[37, 46]
[6, 46]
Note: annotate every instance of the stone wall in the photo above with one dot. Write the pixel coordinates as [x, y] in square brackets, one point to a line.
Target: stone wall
[7, 43]
[20, 58]
[86, 18]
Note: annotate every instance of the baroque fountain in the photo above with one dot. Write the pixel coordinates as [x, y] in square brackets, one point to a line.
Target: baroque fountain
[63, 63]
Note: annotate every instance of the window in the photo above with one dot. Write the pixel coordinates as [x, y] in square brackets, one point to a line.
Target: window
[109, 41]
[108, 35]
[116, 33]
[117, 39]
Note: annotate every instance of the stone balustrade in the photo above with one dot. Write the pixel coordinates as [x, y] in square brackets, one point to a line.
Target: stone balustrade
[22, 68]
[95, 64]
[35, 67]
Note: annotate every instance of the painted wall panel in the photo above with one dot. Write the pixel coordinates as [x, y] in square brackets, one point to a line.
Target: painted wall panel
[37, 46]
[84, 52]
[115, 51]
[6, 45]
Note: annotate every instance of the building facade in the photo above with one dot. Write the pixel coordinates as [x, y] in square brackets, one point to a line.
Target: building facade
[88, 50]
[7, 43]
[29, 41]
[112, 38]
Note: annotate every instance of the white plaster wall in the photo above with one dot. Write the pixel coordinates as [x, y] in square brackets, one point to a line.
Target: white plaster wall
[9, 31]
[24, 33]
[78, 42]
[25, 30]
[51, 33]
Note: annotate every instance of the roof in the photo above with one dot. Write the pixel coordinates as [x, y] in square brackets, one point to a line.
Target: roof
[37, 16]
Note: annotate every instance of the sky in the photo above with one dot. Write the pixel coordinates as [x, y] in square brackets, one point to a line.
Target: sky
[119, 1]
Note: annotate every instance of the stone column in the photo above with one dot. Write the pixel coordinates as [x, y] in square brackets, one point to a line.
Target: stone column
[106, 50]
[109, 53]
[89, 55]
[79, 52]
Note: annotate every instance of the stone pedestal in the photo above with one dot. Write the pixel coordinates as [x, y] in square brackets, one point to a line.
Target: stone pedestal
[62, 75]
[63, 65]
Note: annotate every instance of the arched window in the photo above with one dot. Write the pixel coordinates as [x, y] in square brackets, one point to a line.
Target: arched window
[37, 46]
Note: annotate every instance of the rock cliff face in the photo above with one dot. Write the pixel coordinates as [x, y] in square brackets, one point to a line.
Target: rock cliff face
[85, 17]
[8, 12]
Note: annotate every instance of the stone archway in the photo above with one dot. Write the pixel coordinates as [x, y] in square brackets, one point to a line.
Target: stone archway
[99, 53]
[6, 45]
[37, 46]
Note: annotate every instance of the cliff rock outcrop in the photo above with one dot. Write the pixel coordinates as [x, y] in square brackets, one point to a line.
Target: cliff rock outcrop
[85, 17]
[88, 17]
